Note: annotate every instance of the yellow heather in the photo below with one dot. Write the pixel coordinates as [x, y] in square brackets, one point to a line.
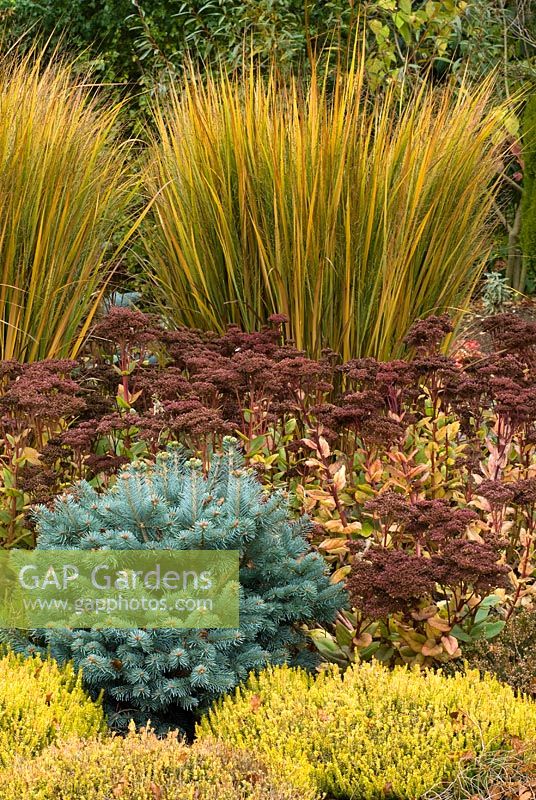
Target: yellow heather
[142, 767]
[39, 702]
[370, 732]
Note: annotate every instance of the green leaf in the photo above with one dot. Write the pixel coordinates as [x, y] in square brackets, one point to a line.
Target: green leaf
[387, 5]
[384, 653]
[8, 478]
[482, 614]
[476, 631]
[325, 644]
[290, 425]
[511, 123]
[367, 652]
[460, 634]
[343, 635]
[122, 403]
[430, 9]
[376, 27]
[493, 629]
[256, 444]
[490, 600]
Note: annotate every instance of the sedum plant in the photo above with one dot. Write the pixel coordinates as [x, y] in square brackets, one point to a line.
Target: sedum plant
[39, 703]
[142, 767]
[370, 732]
[64, 191]
[165, 674]
[414, 463]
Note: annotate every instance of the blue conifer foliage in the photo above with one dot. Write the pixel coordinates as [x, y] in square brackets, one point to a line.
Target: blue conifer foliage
[168, 675]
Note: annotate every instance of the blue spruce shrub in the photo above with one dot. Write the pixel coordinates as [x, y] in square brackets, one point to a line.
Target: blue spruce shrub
[168, 675]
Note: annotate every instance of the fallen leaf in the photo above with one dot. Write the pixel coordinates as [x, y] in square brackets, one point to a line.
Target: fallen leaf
[255, 702]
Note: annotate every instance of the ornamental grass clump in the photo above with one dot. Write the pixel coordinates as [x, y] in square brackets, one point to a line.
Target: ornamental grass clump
[502, 775]
[370, 732]
[39, 703]
[141, 766]
[161, 674]
[64, 193]
[348, 213]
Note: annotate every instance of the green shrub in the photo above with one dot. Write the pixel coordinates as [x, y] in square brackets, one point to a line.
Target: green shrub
[369, 732]
[142, 767]
[40, 702]
[136, 42]
[528, 203]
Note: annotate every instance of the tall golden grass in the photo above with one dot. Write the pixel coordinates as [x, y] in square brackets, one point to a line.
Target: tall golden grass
[352, 215]
[64, 188]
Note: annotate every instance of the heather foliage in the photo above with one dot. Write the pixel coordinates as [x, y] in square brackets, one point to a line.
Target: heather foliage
[40, 703]
[418, 474]
[371, 732]
[142, 767]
